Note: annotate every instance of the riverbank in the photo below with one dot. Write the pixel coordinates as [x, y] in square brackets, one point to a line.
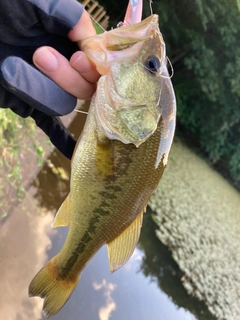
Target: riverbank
[28, 166]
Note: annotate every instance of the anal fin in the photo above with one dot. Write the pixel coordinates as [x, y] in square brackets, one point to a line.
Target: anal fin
[62, 216]
[121, 248]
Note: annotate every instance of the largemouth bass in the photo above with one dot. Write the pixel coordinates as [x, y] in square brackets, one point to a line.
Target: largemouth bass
[119, 159]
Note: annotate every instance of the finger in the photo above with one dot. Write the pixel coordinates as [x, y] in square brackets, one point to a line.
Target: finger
[83, 29]
[80, 62]
[58, 68]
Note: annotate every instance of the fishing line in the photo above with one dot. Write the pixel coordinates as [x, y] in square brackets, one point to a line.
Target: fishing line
[97, 23]
[172, 70]
[150, 5]
[171, 67]
[80, 111]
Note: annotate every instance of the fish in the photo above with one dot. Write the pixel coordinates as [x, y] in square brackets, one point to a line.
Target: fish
[118, 160]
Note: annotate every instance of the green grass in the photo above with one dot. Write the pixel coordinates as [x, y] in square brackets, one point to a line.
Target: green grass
[97, 28]
[17, 142]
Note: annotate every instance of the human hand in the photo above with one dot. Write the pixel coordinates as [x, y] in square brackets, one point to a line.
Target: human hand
[29, 92]
[77, 76]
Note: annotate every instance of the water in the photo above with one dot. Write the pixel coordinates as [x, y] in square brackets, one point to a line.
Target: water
[147, 287]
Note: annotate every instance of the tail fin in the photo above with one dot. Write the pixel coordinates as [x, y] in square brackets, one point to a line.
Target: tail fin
[54, 289]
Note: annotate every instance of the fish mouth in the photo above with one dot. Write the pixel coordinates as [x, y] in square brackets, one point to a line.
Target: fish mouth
[103, 48]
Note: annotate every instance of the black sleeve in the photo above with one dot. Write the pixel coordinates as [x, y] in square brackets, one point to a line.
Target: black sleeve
[56, 131]
[29, 22]
[60, 16]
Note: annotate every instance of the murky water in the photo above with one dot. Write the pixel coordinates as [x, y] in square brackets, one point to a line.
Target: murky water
[147, 287]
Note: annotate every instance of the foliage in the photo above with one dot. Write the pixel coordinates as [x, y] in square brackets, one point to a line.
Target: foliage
[202, 40]
[238, 4]
[98, 28]
[15, 133]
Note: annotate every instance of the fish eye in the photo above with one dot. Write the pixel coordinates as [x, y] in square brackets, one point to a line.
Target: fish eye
[152, 63]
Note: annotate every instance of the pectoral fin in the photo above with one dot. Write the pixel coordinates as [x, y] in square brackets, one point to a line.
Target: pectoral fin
[62, 217]
[121, 248]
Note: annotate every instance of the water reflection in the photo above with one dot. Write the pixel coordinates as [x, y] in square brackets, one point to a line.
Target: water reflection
[158, 264]
[24, 238]
[147, 287]
[108, 288]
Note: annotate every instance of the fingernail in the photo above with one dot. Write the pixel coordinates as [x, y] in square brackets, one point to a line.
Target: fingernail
[45, 59]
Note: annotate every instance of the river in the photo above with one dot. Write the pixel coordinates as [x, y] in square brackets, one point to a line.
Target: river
[149, 286]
